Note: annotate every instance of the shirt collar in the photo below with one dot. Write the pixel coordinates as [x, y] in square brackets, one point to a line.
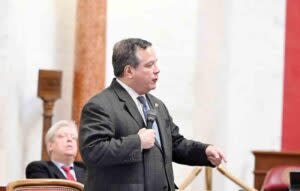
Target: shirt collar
[130, 91]
[58, 164]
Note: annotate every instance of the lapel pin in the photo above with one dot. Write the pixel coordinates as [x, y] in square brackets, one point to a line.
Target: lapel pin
[156, 104]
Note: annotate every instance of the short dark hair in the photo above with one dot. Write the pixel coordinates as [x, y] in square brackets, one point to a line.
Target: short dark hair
[124, 53]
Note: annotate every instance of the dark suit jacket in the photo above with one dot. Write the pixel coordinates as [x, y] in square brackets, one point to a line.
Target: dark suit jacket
[47, 169]
[111, 148]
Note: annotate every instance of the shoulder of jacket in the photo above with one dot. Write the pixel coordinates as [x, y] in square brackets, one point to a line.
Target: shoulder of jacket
[79, 164]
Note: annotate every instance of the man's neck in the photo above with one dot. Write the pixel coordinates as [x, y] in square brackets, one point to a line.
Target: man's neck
[124, 81]
[127, 85]
[65, 161]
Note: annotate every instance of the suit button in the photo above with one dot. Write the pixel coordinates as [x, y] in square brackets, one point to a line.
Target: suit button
[165, 187]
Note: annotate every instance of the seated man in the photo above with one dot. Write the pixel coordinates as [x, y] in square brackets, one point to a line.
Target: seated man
[61, 142]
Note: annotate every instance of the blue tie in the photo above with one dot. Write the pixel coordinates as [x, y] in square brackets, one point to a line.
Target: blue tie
[146, 108]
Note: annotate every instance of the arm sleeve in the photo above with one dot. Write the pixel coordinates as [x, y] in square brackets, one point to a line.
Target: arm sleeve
[36, 170]
[186, 151]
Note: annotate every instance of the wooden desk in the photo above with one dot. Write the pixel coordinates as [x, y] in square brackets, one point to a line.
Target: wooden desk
[265, 160]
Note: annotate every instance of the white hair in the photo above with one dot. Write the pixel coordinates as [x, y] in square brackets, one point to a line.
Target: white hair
[52, 130]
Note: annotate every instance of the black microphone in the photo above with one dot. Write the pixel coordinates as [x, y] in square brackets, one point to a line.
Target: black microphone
[151, 117]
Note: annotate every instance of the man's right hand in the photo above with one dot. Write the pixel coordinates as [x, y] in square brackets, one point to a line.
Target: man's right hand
[147, 137]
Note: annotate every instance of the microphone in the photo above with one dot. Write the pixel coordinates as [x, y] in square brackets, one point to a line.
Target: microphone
[151, 117]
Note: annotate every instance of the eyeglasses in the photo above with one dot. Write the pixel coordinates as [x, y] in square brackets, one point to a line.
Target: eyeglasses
[66, 135]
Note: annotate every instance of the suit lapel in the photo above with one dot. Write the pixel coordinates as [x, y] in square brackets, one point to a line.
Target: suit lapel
[131, 107]
[129, 104]
[160, 123]
[55, 170]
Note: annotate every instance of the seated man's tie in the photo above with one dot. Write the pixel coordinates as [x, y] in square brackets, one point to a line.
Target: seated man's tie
[68, 173]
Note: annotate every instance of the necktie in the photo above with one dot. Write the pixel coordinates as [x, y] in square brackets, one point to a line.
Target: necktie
[68, 173]
[146, 108]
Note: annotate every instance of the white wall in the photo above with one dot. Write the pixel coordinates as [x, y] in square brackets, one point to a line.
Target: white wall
[255, 54]
[221, 72]
[34, 35]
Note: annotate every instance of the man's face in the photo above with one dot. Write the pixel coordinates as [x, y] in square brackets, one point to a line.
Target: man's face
[64, 143]
[145, 75]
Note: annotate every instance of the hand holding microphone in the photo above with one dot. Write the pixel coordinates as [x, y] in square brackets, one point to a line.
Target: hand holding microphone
[147, 135]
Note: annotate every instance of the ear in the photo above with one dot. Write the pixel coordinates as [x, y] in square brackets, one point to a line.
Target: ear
[129, 71]
[50, 147]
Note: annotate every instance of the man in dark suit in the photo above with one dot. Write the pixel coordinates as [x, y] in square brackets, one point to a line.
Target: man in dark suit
[120, 153]
[61, 141]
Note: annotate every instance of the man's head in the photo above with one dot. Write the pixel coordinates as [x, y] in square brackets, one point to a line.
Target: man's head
[61, 141]
[135, 63]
